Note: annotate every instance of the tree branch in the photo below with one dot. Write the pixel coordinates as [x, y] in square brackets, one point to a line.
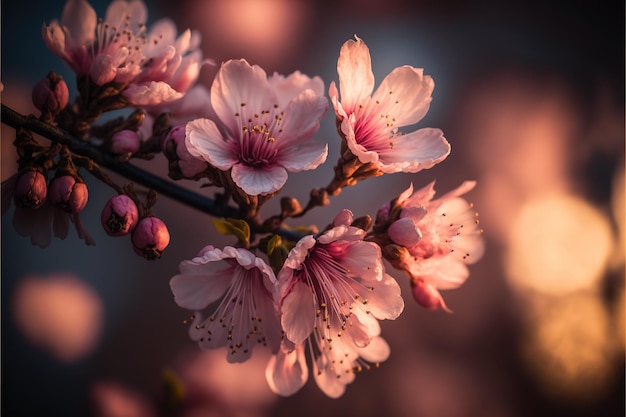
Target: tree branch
[11, 118]
[165, 187]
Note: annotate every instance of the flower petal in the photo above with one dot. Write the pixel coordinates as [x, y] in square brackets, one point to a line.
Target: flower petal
[287, 372]
[404, 95]
[204, 140]
[153, 94]
[259, 181]
[303, 157]
[356, 79]
[198, 285]
[302, 118]
[80, 19]
[239, 86]
[414, 151]
[286, 88]
[298, 313]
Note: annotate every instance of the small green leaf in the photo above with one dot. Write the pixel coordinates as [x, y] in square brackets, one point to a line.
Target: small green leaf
[237, 227]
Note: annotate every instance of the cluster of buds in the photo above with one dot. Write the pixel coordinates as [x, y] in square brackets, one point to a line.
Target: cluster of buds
[44, 206]
[122, 216]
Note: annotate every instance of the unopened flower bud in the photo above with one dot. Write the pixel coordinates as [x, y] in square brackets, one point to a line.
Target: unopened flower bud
[427, 296]
[175, 150]
[51, 94]
[125, 141]
[404, 232]
[289, 206]
[69, 193]
[150, 238]
[119, 216]
[363, 222]
[31, 189]
[382, 215]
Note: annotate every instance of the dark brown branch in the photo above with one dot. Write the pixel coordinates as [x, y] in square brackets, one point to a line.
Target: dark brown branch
[165, 187]
[133, 173]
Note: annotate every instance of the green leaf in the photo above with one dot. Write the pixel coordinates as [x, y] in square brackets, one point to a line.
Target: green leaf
[237, 227]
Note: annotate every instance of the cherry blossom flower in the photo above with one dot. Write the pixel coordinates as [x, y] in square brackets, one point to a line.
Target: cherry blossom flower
[153, 66]
[369, 122]
[244, 285]
[333, 291]
[263, 126]
[440, 237]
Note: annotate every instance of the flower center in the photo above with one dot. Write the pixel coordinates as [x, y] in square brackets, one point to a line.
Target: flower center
[258, 135]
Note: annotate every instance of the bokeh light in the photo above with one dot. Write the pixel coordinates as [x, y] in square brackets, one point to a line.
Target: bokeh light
[558, 244]
[570, 345]
[60, 314]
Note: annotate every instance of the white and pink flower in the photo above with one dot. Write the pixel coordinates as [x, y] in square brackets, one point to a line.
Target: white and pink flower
[369, 122]
[154, 66]
[263, 126]
[333, 291]
[244, 285]
[441, 237]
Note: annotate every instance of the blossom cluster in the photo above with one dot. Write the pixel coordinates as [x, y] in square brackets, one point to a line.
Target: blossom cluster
[314, 298]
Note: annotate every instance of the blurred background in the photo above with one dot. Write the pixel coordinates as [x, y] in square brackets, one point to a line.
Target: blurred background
[531, 97]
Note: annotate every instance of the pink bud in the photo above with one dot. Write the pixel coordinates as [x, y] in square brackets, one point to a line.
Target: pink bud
[188, 164]
[51, 94]
[31, 189]
[404, 232]
[125, 141]
[119, 216]
[150, 238]
[427, 296]
[382, 215]
[68, 193]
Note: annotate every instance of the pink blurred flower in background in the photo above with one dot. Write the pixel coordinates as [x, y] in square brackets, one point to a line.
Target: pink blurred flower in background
[244, 284]
[369, 122]
[58, 313]
[263, 126]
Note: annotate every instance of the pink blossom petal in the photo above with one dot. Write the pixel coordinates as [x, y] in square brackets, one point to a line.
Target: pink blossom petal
[343, 218]
[356, 79]
[404, 95]
[103, 70]
[155, 93]
[286, 88]
[332, 384]
[404, 232]
[120, 10]
[414, 151]
[54, 38]
[287, 372]
[386, 302]
[80, 19]
[298, 313]
[303, 157]
[377, 351]
[302, 117]
[203, 139]
[199, 285]
[427, 296]
[259, 181]
[363, 260]
[239, 86]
